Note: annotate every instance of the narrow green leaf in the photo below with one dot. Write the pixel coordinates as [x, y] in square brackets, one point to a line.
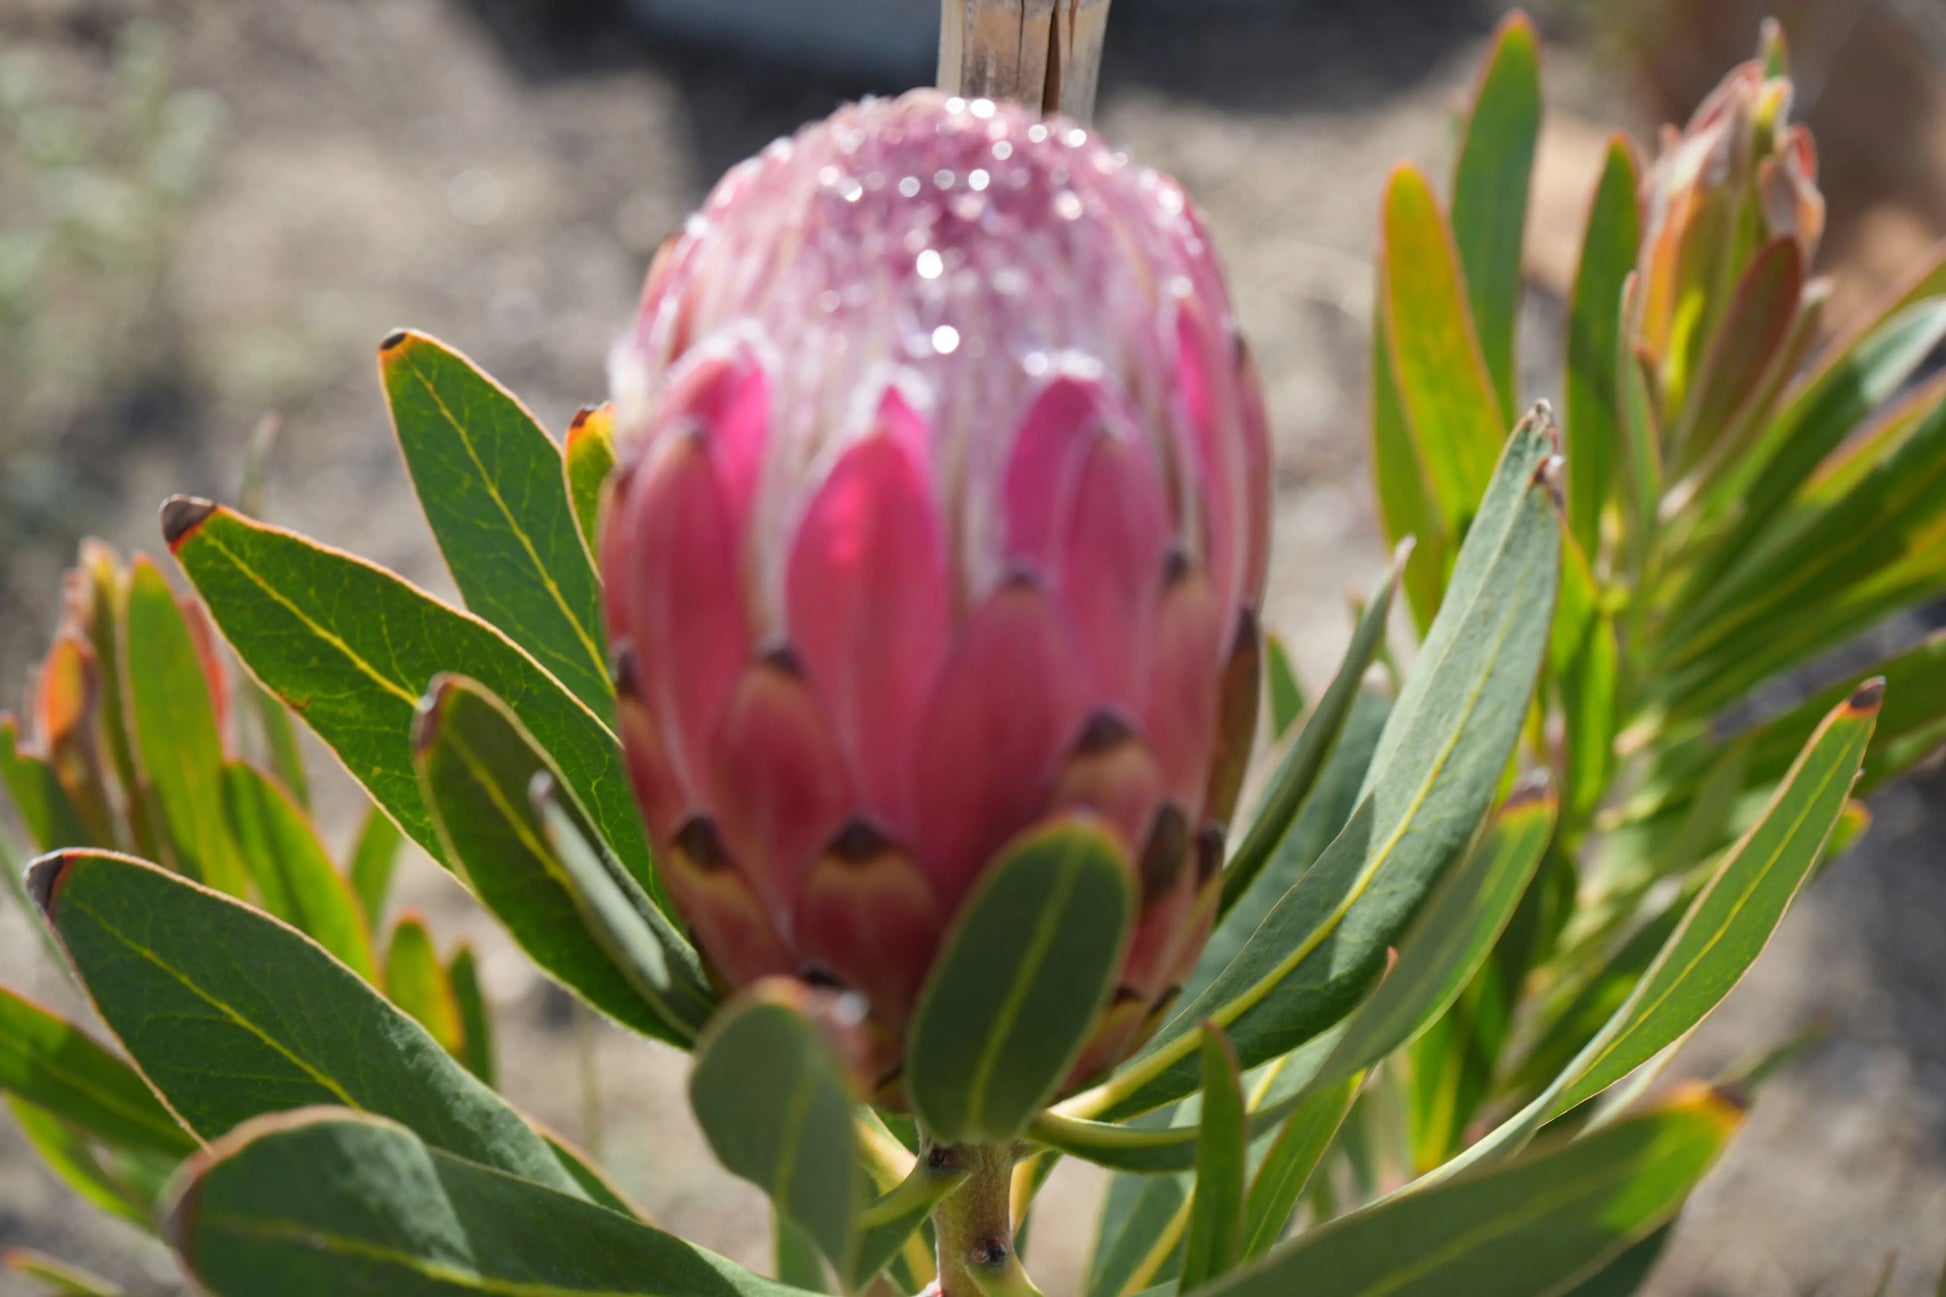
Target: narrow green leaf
[1023, 972]
[294, 874]
[476, 1024]
[1431, 782]
[416, 981]
[1532, 1227]
[587, 461]
[321, 1203]
[55, 1065]
[45, 810]
[489, 479]
[656, 959]
[374, 857]
[1445, 389]
[65, 1149]
[159, 955]
[797, 1259]
[1732, 919]
[1298, 770]
[1301, 1144]
[61, 1279]
[108, 606]
[1286, 694]
[593, 1181]
[1585, 660]
[1641, 428]
[1399, 473]
[773, 1099]
[1136, 1238]
[1496, 164]
[351, 647]
[280, 749]
[1451, 938]
[476, 765]
[1628, 1272]
[1593, 382]
[176, 734]
[1215, 1237]
[1751, 342]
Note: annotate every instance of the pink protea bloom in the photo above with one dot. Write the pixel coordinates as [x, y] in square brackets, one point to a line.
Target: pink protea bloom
[943, 509]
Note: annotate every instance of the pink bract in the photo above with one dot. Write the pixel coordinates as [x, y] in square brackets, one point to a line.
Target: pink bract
[943, 508]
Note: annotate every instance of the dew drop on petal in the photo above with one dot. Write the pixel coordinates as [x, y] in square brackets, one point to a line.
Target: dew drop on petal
[977, 180]
[909, 187]
[931, 265]
[945, 339]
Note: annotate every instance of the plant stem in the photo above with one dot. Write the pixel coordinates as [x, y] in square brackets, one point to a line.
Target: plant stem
[974, 1227]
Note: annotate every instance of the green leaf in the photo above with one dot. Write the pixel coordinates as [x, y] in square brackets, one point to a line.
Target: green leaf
[1820, 414]
[593, 1181]
[1534, 1226]
[1024, 971]
[1496, 164]
[176, 732]
[1455, 416]
[1215, 1235]
[1405, 501]
[773, 1099]
[374, 857]
[351, 647]
[1586, 662]
[798, 1260]
[658, 961]
[45, 810]
[1595, 351]
[1298, 771]
[489, 479]
[65, 1149]
[1301, 1144]
[1752, 341]
[1452, 936]
[55, 1065]
[1730, 922]
[1641, 455]
[1137, 1240]
[476, 764]
[587, 461]
[1286, 694]
[279, 737]
[1626, 1274]
[160, 957]
[322, 1203]
[476, 1025]
[108, 607]
[1431, 782]
[62, 1279]
[293, 872]
[416, 981]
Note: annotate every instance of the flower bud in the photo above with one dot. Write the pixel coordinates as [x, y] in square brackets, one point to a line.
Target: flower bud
[943, 508]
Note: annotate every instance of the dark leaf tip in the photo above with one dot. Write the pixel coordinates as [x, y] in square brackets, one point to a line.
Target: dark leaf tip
[580, 418]
[43, 880]
[394, 340]
[181, 515]
[1868, 696]
[1533, 789]
[426, 716]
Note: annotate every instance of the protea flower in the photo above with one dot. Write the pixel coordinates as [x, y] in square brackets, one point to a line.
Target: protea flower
[1738, 177]
[943, 510]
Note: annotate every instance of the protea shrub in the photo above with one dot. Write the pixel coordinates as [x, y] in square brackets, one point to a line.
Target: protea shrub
[861, 702]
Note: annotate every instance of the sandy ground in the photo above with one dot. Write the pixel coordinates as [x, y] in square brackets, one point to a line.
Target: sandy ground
[501, 181]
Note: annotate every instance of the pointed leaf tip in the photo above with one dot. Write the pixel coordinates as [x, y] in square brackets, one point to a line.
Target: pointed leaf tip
[1868, 696]
[43, 881]
[182, 514]
[425, 716]
[394, 340]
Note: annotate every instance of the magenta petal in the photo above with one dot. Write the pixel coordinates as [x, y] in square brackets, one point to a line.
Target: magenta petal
[1048, 450]
[1006, 709]
[664, 804]
[1200, 353]
[867, 606]
[685, 609]
[1181, 718]
[780, 787]
[729, 400]
[1108, 573]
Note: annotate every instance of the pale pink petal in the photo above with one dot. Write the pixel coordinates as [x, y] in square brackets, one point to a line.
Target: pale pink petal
[867, 607]
[728, 400]
[1048, 450]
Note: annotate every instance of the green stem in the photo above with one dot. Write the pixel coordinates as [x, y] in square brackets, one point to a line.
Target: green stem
[974, 1227]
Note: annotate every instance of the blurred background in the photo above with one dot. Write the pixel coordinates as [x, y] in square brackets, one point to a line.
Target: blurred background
[214, 209]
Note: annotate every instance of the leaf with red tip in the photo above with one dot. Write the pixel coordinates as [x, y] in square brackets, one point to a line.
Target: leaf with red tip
[867, 606]
[489, 479]
[587, 460]
[1496, 165]
[351, 647]
[177, 732]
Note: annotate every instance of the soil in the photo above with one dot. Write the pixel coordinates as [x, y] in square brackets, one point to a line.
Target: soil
[499, 172]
